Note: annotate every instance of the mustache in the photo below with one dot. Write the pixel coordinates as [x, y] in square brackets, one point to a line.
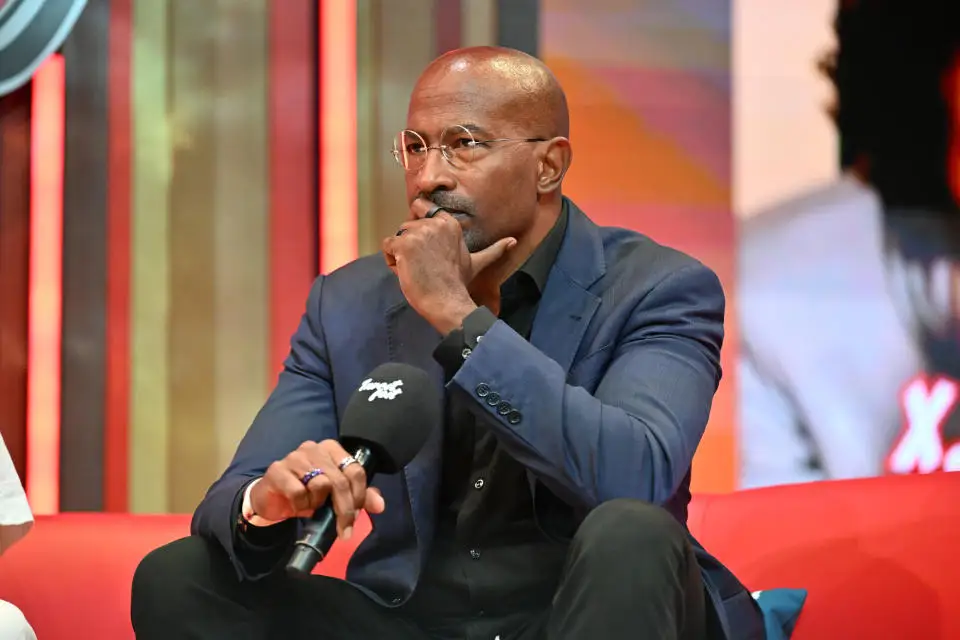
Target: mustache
[449, 200]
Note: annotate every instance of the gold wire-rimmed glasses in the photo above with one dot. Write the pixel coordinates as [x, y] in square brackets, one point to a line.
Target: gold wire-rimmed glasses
[457, 144]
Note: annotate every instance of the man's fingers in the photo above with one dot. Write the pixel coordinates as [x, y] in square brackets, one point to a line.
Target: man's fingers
[343, 505]
[406, 227]
[303, 498]
[330, 483]
[349, 485]
[483, 259]
[334, 484]
[297, 495]
[346, 488]
[341, 493]
[358, 483]
[420, 207]
[373, 501]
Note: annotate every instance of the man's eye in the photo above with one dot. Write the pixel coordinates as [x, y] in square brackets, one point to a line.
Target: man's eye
[466, 143]
[415, 148]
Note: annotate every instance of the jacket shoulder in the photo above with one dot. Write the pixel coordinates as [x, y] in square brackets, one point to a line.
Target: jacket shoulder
[363, 284]
[637, 256]
[365, 272]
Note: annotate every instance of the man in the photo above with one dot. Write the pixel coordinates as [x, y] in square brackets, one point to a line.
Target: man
[15, 521]
[848, 297]
[579, 366]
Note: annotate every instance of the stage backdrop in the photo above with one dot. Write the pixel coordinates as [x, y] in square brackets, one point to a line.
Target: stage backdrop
[649, 91]
[193, 219]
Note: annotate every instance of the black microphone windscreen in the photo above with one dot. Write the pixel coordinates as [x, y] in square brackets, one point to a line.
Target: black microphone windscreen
[393, 412]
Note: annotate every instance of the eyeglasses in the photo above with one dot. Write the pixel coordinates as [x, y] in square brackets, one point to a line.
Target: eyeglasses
[457, 145]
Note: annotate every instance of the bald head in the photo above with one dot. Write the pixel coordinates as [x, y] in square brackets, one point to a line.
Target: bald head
[504, 82]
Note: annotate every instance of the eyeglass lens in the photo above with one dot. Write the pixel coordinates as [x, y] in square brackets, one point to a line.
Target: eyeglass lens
[456, 143]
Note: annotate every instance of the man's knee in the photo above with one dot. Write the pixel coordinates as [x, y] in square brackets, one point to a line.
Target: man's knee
[620, 528]
[165, 573]
[13, 624]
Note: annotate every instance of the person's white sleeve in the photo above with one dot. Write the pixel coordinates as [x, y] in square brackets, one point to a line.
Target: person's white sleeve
[13, 624]
[15, 515]
[774, 447]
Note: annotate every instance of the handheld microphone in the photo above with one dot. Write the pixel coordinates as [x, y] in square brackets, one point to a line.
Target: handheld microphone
[385, 424]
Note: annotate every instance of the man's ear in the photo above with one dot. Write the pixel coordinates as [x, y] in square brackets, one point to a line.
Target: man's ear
[553, 164]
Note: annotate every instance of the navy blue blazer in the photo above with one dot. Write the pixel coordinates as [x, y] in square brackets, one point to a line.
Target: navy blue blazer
[614, 390]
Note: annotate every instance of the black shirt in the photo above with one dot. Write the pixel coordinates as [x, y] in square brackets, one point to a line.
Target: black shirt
[489, 558]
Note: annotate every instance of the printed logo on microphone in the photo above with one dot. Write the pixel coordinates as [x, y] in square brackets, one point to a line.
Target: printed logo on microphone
[382, 390]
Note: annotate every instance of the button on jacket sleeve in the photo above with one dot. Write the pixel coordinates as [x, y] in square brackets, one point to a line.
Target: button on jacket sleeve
[636, 435]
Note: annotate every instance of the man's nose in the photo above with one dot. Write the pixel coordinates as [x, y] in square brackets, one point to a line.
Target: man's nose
[435, 174]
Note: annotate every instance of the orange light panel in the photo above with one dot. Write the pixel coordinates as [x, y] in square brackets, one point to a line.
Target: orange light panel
[338, 134]
[45, 289]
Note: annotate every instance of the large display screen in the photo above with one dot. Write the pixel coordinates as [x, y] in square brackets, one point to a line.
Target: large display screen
[809, 156]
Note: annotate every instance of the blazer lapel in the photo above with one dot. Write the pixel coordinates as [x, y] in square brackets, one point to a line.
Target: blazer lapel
[567, 305]
[562, 319]
[412, 340]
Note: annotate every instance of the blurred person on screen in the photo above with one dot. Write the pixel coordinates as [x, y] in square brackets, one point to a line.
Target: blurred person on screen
[15, 521]
[850, 294]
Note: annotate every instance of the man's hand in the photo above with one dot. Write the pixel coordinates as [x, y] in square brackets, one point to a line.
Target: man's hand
[436, 270]
[281, 494]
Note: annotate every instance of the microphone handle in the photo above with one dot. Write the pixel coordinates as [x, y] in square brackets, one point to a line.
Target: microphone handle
[320, 532]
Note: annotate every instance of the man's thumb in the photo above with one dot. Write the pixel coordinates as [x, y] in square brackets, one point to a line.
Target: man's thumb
[483, 259]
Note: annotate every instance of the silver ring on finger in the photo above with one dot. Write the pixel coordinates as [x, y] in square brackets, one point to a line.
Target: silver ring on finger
[346, 462]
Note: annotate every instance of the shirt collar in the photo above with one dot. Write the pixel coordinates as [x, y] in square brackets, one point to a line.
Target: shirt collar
[537, 267]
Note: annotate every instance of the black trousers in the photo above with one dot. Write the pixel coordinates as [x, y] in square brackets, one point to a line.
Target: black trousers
[630, 573]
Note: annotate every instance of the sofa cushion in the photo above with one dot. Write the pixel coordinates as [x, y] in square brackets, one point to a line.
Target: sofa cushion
[876, 556]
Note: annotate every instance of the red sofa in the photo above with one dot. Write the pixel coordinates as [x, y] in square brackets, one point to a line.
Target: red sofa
[875, 555]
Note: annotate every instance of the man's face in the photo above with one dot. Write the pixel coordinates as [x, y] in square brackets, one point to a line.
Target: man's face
[494, 188]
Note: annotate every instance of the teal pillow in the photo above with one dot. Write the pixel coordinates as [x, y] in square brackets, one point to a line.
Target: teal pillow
[780, 608]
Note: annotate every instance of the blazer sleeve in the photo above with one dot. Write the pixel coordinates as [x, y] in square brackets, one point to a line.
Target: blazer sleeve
[635, 437]
[300, 408]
